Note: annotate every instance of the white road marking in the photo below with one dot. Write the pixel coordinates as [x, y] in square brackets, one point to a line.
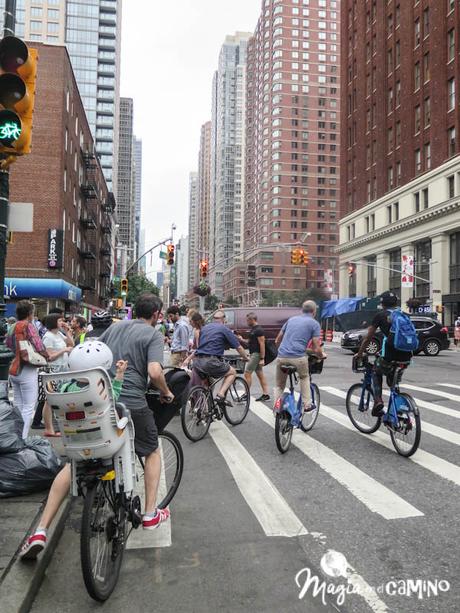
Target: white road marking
[457, 387]
[269, 507]
[432, 392]
[374, 495]
[446, 435]
[161, 536]
[436, 465]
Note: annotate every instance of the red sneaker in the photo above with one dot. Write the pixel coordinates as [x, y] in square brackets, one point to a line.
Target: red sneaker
[32, 547]
[161, 516]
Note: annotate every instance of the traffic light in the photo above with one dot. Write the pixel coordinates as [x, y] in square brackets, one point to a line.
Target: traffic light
[204, 268]
[303, 256]
[351, 269]
[124, 287]
[171, 251]
[18, 72]
[295, 256]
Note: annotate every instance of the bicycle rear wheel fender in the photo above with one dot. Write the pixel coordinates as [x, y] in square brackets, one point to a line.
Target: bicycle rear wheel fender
[100, 554]
[177, 455]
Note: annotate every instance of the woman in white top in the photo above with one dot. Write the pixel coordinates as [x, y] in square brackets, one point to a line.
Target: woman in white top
[55, 341]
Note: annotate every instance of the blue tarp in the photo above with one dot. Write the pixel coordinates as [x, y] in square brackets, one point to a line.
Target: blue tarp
[331, 308]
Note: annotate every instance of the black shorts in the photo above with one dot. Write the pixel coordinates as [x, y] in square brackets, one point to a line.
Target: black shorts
[146, 431]
[212, 366]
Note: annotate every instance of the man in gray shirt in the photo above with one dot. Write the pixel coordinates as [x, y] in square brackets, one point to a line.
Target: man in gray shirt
[181, 336]
[137, 342]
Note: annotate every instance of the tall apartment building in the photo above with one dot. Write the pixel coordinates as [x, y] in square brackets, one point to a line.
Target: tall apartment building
[91, 30]
[228, 125]
[66, 260]
[204, 191]
[400, 145]
[137, 157]
[292, 194]
[193, 271]
[126, 210]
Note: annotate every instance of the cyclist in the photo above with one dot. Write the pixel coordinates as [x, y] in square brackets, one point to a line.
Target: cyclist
[382, 321]
[137, 341]
[88, 355]
[214, 339]
[298, 333]
[101, 320]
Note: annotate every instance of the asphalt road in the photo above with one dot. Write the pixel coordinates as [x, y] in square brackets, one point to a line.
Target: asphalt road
[246, 520]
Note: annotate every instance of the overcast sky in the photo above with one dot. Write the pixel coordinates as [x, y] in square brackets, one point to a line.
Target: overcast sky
[169, 53]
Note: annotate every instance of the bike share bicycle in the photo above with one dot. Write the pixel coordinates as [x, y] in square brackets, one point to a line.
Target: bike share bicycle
[402, 418]
[290, 414]
[200, 407]
[105, 471]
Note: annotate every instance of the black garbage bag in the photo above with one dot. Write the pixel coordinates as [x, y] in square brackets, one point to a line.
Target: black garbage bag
[11, 424]
[32, 469]
[178, 381]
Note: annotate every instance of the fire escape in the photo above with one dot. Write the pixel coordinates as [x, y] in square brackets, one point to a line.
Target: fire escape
[88, 225]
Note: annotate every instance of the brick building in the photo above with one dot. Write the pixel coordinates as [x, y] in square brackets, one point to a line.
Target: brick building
[292, 190]
[399, 164]
[63, 179]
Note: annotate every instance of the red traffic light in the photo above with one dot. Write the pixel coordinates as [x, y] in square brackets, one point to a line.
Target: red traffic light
[171, 253]
[204, 267]
[351, 269]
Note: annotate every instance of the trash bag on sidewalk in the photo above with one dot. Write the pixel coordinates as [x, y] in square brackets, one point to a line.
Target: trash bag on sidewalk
[11, 424]
[32, 469]
[26, 466]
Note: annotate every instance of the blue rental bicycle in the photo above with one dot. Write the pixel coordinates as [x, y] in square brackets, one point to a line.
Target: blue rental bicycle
[402, 417]
[290, 414]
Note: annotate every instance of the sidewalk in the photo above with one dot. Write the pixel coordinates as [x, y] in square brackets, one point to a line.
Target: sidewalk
[20, 581]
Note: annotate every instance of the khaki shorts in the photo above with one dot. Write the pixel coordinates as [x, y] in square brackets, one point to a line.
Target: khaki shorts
[254, 363]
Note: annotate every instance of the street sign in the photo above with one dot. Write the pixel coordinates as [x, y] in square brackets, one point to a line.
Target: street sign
[163, 255]
[407, 271]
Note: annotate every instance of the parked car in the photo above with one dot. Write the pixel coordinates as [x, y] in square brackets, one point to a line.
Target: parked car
[432, 336]
[270, 318]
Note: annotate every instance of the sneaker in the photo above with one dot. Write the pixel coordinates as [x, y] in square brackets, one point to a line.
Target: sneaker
[160, 516]
[263, 398]
[377, 409]
[308, 408]
[33, 546]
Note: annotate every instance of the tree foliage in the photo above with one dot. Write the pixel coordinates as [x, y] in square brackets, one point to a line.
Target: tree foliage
[137, 284]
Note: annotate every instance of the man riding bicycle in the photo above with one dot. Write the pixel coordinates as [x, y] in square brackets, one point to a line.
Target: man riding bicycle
[215, 338]
[294, 338]
[383, 321]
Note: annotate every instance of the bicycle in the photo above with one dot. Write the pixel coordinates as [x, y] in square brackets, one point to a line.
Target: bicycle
[402, 418]
[285, 420]
[104, 470]
[200, 407]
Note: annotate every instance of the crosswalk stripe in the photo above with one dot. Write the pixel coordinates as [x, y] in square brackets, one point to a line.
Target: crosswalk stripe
[436, 465]
[161, 536]
[457, 387]
[446, 435]
[423, 404]
[378, 498]
[432, 392]
[269, 507]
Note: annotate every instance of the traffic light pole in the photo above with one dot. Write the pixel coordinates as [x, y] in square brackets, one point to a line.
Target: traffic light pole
[5, 354]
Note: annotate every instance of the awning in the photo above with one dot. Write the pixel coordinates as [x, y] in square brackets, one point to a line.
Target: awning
[331, 308]
[15, 289]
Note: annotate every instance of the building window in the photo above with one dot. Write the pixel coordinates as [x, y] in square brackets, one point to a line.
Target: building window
[450, 5]
[389, 214]
[398, 172]
[451, 141]
[398, 94]
[398, 133]
[426, 22]
[417, 202]
[417, 76]
[427, 112]
[417, 118]
[417, 33]
[425, 197]
[451, 45]
[427, 150]
[390, 177]
[451, 186]
[451, 94]
[418, 161]
[426, 67]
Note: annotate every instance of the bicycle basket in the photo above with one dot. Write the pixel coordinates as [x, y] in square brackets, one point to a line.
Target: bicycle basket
[360, 364]
[315, 366]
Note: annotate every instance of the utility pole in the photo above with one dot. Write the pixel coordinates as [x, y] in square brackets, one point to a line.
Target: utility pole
[5, 354]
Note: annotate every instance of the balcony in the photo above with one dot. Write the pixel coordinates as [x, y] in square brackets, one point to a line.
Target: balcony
[89, 158]
[88, 191]
[105, 274]
[87, 283]
[87, 252]
[87, 221]
[108, 205]
[106, 250]
[106, 228]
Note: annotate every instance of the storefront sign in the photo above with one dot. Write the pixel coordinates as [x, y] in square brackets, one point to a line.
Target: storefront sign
[55, 248]
[16, 289]
[407, 271]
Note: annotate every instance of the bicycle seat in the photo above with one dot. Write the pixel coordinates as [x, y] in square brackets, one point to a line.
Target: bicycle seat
[289, 370]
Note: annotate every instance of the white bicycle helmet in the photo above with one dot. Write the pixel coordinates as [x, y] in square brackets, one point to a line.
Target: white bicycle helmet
[90, 354]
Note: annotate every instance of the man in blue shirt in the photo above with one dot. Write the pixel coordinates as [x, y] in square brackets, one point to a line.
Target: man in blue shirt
[293, 340]
[215, 338]
[181, 335]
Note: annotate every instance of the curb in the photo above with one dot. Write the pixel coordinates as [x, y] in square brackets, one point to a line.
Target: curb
[23, 579]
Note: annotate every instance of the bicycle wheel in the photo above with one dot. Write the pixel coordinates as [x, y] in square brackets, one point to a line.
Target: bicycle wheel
[172, 459]
[237, 402]
[102, 539]
[309, 417]
[360, 412]
[196, 413]
[406, 436]
[283, 431]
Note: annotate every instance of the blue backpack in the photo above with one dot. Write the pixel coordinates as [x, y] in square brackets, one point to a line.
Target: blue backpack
[403, 335]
